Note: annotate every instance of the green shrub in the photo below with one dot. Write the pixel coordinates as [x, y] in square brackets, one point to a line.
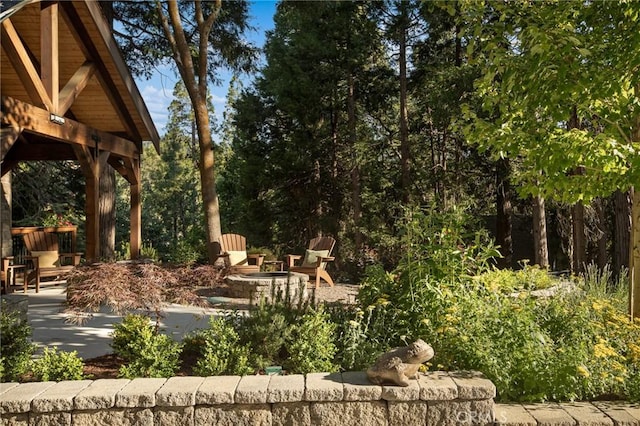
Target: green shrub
[147, 352]
[185, 252]
[57, 365]
[356, 346]
[219, 349]
[508, 281]
[266, 331]
[16, 350]
[311, 347]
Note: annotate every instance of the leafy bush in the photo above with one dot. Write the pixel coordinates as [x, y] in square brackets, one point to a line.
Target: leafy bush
[266, 330]
[16, 350]
[507, 281]
[311, 347]
[147, 352]
[357, 347]
[183, 251]
[57, 365]
[289, 332]
[219, 349]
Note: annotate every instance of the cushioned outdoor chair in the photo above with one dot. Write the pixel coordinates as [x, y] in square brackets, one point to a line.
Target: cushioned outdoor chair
[44, 260]
[315, 260]
[233, 249]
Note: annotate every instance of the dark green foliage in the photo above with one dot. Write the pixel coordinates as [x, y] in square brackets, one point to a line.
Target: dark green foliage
[57, 365]
[147, 352]
[291, 333]
[15, 336]
[311, 347]
[145, 49]
[267, 331]
[218, 349]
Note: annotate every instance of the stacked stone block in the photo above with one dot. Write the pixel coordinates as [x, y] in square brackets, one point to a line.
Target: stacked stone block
[437, 398]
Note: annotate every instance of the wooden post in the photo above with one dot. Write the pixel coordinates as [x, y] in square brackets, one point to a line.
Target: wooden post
[135, 212]
[91, 170]
[49, 71]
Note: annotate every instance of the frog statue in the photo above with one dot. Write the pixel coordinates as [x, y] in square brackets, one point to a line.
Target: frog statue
[400, 364]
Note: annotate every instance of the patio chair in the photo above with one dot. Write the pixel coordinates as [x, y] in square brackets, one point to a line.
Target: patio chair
[234, 251]
[315, 260]
[5, 275]
[44, 259]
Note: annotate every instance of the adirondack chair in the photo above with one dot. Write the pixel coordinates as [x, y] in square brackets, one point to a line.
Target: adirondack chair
[236, 259]
[45, 260]
[315, 260]
[5, 275]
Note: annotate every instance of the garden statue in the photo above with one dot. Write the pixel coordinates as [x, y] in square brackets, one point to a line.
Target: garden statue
[400, 364]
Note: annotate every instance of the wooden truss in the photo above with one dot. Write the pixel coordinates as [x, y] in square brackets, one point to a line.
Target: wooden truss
[42, 124]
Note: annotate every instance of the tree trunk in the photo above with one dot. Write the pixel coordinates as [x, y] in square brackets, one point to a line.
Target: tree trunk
[634, 256]
[634, 247]
[107, 207]
[107, 197]
[540, 233]
[579, 237]
[577, 215]
[405, 151]
[210, 202]
[504, 210]
[603, 233]
[355, 167]
[197, 90]
[622, 230]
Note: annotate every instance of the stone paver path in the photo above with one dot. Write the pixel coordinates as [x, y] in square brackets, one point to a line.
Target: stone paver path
[603, 413]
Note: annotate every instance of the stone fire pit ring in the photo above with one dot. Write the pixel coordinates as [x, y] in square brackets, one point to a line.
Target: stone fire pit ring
[254, 286]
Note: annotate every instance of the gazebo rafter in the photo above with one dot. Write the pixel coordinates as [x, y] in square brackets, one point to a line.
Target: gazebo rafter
[68, 95]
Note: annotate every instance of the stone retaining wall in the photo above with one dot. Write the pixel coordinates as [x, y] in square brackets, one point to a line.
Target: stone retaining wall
[437, 398]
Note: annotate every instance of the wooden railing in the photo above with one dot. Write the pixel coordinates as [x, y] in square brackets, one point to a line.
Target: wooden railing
[67, 236]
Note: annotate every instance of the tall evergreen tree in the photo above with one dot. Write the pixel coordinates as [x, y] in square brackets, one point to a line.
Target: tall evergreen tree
[198, 38]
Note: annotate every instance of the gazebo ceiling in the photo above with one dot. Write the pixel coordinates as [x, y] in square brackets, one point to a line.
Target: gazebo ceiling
[108, 99]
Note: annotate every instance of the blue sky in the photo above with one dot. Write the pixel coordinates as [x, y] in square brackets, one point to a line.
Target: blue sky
[157, 91]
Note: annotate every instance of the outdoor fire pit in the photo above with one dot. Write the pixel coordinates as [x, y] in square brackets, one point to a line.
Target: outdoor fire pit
[256, 285]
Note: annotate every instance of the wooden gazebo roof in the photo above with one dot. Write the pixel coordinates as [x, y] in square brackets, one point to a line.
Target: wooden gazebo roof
[68, 95]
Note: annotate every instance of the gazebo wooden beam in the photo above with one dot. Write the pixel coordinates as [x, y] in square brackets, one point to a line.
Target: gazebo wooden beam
[49, 64]
[8, 136]
[27, 117]
[27, 72]
[74, 86]
[90, 51]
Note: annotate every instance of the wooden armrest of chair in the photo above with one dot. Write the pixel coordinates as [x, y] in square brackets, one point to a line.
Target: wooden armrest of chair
[259, 257]
[6, 262]
[75, 257]
[290, 259]
[34, 262]
[321, 259]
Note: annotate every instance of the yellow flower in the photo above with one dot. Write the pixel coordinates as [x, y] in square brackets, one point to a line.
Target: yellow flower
[602, 350]
[634, 352]
[582, 370]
